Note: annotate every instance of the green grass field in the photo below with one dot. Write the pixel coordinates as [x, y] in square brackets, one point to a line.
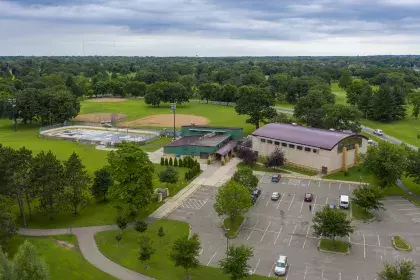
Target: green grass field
[340, 94]
[160, 266]
[401, 244]
[233, 226]
[333, 246]
[63, 263]
[136, 108]
[359, 213]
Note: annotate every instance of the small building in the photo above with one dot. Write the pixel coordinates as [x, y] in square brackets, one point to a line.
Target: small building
[315, 149]
[203, 141]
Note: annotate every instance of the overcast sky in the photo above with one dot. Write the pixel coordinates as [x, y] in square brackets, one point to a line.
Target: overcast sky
[209, 27]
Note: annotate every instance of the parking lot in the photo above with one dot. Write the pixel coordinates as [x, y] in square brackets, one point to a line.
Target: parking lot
[284, 227]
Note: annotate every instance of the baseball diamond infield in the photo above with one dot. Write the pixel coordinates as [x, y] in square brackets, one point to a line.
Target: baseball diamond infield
[165, 120]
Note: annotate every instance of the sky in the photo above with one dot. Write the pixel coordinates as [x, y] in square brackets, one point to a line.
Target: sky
[209, 27]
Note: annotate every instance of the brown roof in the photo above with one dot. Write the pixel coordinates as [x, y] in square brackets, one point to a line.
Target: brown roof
[314, 137]
[198, 141]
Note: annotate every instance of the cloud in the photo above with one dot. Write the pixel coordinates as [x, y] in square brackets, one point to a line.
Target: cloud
[209, 25]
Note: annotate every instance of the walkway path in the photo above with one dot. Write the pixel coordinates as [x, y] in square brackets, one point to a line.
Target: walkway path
[212, 175]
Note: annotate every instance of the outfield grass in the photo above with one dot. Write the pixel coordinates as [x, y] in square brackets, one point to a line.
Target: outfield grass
[340, 94]
[333, 246]
[359, 213]
[136, 108]
[63, 263]
[233, 226]
[160, 266]
[400, 244]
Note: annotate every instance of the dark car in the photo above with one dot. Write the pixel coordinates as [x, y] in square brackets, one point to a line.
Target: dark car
[275, 178]
[255, 194]
[308, 197]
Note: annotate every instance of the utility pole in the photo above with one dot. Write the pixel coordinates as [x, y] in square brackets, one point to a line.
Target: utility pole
[173, 109]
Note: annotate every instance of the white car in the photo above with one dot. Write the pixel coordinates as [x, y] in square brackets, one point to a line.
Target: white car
[378, 132]
[370, 141]
[344, 201]
[275, 196]
[281, 266]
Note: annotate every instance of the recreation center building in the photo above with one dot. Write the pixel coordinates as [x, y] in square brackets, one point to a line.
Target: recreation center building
[202, 141]
[320, 150]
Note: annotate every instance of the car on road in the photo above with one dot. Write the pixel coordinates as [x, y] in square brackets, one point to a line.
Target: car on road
[275, 196]
[281, 266]
[308, 197]
[331, 206]
[370, 141]
[378, 132]
[275, 178]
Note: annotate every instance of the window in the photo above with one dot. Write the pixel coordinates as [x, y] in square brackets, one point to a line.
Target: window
[269, 142]
[291, 146]
[315, 151]
[284, 144]
[262, 140]
[276, 143]
[307, 149]
[349, 143]
[299, 148]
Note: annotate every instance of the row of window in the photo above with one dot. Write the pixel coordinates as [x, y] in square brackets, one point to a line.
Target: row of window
[291, 146]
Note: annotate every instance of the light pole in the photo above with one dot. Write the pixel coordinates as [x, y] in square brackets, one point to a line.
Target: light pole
[227, 240]
[173, 109]
[12, 102]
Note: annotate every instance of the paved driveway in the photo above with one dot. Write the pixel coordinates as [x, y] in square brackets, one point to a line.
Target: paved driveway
[284, 227]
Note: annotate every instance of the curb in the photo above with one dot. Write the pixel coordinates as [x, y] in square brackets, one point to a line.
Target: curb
[401, 249]
[332, 252]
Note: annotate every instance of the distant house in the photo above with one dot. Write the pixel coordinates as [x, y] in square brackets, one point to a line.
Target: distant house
[202, 141]
[316, 149]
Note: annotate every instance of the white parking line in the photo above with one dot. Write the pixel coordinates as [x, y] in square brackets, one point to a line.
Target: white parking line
[291, 236]
[404, 204]
[349, 187]
[319, 183]
[201, 251]
[278, 235]
[211, 258]
[306, 237]
[256, 266]
[306, 271]
[301, 207]
[288, 273]
[379, 240]
[268, 200]
[313, 207]
[339, 273]
[291, 202]
[252, 230]
[410, 214]
[326, 201]
[364, 246]
[281, 198]
[329, 185]
[322, 275]
[265, 231]
[408, 209]
[309, 183]
[339, 187]
[271, 270]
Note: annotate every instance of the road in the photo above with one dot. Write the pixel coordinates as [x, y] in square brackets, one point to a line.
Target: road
[365, 129]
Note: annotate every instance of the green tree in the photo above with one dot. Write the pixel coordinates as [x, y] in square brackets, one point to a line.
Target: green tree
[162, 161]
[170, 162]
[228, 93]
[169, 176]
[185, 252]
[345, 79]
[357, 89]
[331, 223]
[122, 222]
[46, 176]
[283, 118]
[140, 226]
[402, 270]
[245, 177]
[132, 171]
[6, 267]
[310, 108]
[175, 162]
[232, 200]
[387, 163]
[8, 227]
[342, 117]
[135, 88]
[146, 250]
[102, 182]
[414, 99]
[77, 181]
[166, 161]
[413, 166]
[27, 265]
[235, 264]
[209, 91]
[256, 103]
[161, 233]
[275, 159]
[57, 105]
[368, 197]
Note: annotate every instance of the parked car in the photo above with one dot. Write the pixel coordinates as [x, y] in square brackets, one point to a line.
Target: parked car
[344, 201]
[281, 266]
[255, 194]
[308, 197]
[378, 132]
[275, 178]
[275, 196]
[370, 141]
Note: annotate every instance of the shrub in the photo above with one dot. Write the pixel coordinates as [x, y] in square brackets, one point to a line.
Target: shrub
[162, 161]
[166, 162]
[140, 226]
[175, 162]
[171, 162]
[187, 176]
[180, 162]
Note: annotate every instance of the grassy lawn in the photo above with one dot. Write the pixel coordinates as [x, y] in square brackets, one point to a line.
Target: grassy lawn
[63, 262]
[299, 170]
[401, 244]
[353, 175]
[340, 94]
[409, 183]
[160, 266]
[157, 144]
[135, 109]
[233, 226]
[333, 246]
[262, 168]
[373, 137]
[285, 105]
[360, 214]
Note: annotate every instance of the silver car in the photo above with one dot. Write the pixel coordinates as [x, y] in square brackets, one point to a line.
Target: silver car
[275, 196]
